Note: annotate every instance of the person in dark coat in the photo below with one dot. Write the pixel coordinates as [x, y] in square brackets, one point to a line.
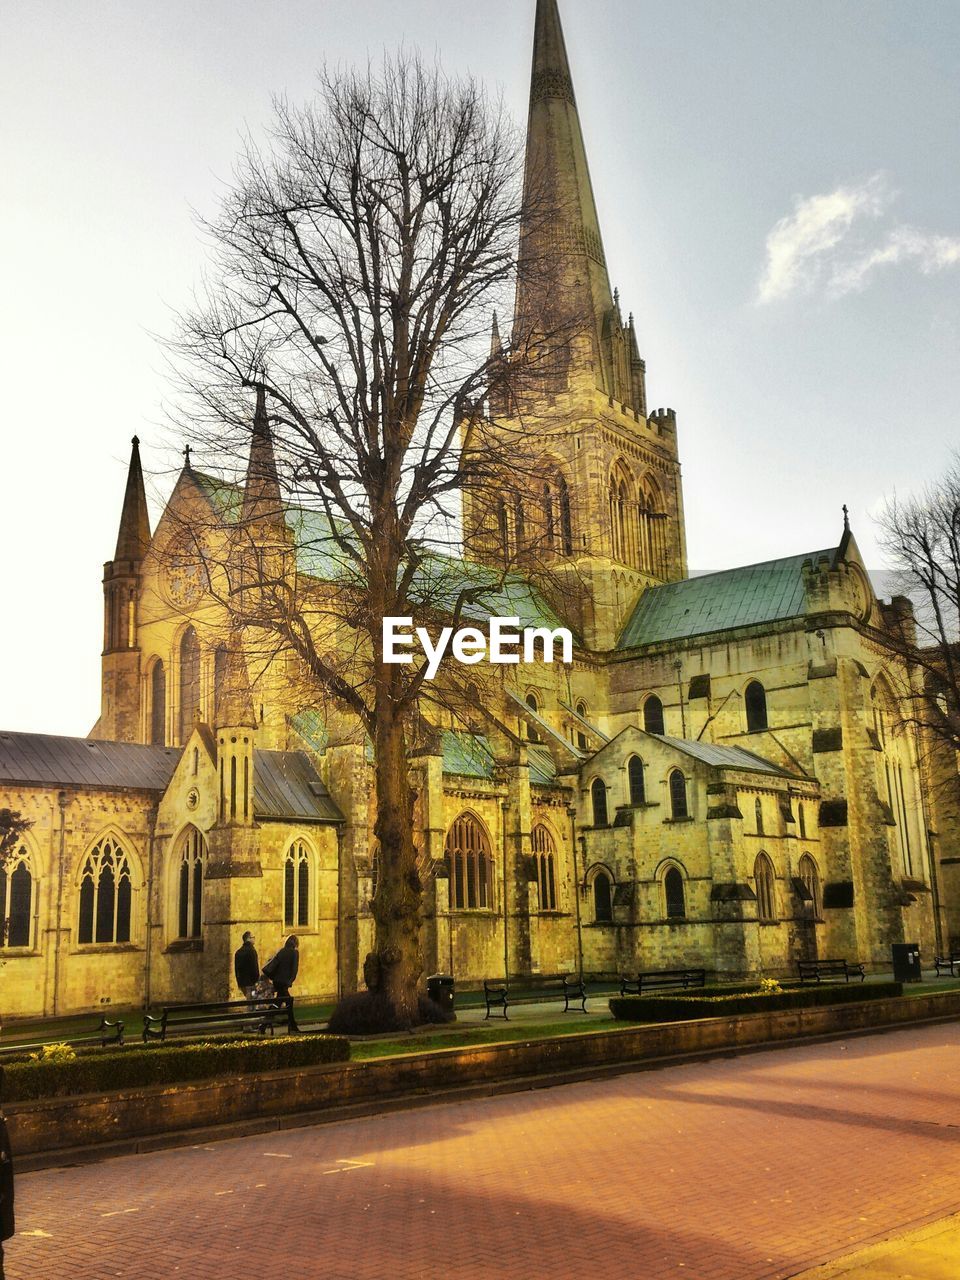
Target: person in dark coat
[282, 968]
[246, 965]
[6, 1183]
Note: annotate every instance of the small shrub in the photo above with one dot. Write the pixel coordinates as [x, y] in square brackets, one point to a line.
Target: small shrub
[770, 987]
[55, 1053]
[368, 1013]
[676, 1008]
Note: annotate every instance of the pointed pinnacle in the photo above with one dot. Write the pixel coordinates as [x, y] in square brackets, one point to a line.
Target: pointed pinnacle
[133, 537]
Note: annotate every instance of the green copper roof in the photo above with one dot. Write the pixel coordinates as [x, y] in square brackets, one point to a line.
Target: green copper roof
[744, 597]
[466, 754]
[543, 770]
[441, 580]
[438, 583]
[309, 724]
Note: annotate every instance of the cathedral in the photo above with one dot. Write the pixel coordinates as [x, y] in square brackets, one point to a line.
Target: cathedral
[720, 778]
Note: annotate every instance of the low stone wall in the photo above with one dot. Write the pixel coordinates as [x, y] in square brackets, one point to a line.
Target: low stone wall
[128, 1119]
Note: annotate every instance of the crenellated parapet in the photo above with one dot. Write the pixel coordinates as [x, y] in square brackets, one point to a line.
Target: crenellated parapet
[833, 586]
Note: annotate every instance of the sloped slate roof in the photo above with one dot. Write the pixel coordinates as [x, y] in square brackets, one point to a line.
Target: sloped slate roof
[286, 787]
[438, 582]
[723, 757]
[47, 760]
[744, 597]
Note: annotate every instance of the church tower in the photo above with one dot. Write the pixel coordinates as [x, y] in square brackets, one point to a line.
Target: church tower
[609, 496]
[120, 681]
[234, 875]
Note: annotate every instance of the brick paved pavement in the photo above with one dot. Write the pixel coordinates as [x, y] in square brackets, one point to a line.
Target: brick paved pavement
[736, 1169]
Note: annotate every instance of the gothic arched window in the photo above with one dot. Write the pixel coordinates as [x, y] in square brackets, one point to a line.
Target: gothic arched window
[106, 894]
[764, 879]
[598, 795]
[220, 659]
[650, 530]
[504, 529]
[189, 682]
[636, 780]
[602, 898]
[191, 866]
[296, 886]
[519, 523]
[566, 523]
[898, 772]
[544, 852]
[581, 709]
[549, 517]
[653, 715]
[810, 875]
[158, 704]
[16, 901]
[673, 894]
[678, 795]
[621, 504]
[471, 865]
[756, 704]
[533, 702]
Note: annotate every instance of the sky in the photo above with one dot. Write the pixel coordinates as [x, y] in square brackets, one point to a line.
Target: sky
[778, 192]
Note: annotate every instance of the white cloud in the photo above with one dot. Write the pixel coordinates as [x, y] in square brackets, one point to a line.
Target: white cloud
[827, 243]
[929, 252]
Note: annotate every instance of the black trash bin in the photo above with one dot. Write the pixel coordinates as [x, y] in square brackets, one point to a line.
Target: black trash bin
[906, 962]
[441, 989]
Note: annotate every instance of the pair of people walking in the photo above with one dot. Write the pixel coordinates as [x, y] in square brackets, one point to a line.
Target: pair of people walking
[281, 968]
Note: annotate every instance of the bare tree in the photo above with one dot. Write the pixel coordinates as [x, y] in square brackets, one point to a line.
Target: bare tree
[922, 538]
[357, 262]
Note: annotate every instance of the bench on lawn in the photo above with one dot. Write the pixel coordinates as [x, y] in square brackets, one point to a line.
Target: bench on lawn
[107, 1033]
[948, 962]
[188, 1018]
[662, 979]
[817, 970]
[568, 987]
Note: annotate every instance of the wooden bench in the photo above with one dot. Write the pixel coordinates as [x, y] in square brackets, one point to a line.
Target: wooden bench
[189, 1018]
[107, 1033]
[569, 987]
[817, 970]
[948, 962]
[662, 979]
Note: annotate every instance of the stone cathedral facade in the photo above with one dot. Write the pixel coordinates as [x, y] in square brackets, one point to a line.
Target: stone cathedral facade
[720, 778]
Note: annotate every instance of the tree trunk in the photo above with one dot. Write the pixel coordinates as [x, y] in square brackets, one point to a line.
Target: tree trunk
[397, 908]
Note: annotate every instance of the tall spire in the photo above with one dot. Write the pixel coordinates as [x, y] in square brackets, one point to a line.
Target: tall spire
[234, 701]
[562, 261]
[261, 495]
[134, 536]
[496, 346]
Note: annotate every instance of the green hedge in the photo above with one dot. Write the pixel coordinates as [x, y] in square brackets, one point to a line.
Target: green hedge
[137, 1066]
[719, 1003]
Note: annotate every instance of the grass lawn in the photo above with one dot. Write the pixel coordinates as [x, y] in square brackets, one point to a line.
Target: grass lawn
[464, 1037]
[31, 1030]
